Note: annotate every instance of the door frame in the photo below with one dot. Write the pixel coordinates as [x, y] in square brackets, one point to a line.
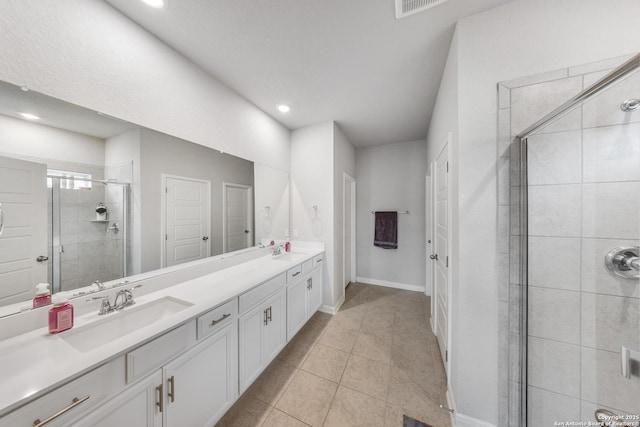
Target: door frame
[428, 209]
[434, 295]
[163, 212]
[248, 213]
[349, 182]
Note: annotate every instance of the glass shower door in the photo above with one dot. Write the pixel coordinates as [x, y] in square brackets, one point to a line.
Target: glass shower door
[88, 221]
[582, 266]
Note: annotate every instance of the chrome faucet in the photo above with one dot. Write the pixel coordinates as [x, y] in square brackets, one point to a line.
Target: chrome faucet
[127, 299]
[106, 307]
[277, 250]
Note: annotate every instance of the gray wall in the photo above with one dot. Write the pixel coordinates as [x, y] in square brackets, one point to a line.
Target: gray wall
[160, 153]
[392, 177]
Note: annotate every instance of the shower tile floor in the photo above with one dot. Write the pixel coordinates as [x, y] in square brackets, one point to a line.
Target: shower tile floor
[368, 365]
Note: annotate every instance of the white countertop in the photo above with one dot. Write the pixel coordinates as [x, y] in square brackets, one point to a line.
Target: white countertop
[35, 363]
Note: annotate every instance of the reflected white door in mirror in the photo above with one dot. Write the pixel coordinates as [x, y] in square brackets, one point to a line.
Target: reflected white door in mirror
[23, 241]
[186, 219]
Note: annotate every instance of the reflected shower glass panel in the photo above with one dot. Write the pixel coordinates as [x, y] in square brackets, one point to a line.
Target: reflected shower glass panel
[88, 231]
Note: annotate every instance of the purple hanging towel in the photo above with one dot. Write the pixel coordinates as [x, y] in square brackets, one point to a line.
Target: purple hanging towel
[386, 231]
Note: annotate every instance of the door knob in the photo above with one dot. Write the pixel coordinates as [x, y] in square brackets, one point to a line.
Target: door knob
[42, 258]
[246, 231]
[434, 257]
[205, 238]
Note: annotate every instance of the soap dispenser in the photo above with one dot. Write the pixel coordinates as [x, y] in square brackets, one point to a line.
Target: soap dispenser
[43, 295]
[61, 315]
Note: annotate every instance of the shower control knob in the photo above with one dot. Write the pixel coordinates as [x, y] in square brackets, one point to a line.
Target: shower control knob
[434, 257]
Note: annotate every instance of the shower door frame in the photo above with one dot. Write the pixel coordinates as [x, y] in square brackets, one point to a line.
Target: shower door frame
[519, 173]
[56, 264]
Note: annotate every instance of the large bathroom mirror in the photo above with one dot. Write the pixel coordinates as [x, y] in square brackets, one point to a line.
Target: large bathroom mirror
[87, 198]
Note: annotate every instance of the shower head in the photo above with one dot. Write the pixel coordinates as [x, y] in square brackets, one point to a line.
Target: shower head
[630, 105]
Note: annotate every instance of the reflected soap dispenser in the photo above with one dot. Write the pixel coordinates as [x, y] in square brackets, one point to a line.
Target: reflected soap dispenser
[61, 315]
[43, 295]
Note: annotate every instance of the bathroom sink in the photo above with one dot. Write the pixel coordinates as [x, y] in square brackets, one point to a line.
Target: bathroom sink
[289, 257]
[122, 323]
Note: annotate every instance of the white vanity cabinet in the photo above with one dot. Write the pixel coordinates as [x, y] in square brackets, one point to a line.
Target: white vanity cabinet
[200, 385]
[304, 296]
[262, 333]
[194, 389]
[138, 406]
[71, 400]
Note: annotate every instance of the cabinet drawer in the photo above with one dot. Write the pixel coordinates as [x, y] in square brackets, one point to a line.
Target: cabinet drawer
[216, 319]
[64, 403]
[256, 295]
[152, 355]
[317, 260]
[307, 266]
[294, 273]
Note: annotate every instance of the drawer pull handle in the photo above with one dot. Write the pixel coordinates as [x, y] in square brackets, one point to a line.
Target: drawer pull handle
[269, 313]
[160, 397]
[172, 391]
[295, 274]
[266, 319]
[224, 316]
[75, 402]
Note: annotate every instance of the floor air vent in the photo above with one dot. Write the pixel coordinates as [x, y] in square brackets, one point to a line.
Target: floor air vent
[405, 8]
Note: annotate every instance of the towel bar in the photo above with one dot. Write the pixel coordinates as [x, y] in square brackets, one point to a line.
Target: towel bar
[400, 212]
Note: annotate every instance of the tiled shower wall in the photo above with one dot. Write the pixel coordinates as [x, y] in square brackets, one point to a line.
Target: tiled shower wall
[584, 199]
[91, 251]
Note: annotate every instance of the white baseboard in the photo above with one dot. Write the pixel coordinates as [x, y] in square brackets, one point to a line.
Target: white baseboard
[466, 421]
[390, 284]
[332, 309]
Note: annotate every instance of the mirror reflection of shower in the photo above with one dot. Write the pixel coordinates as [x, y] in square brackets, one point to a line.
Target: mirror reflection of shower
[87, 230]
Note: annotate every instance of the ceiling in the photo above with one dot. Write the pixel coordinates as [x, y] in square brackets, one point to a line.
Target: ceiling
[58, 114]
[349, 61]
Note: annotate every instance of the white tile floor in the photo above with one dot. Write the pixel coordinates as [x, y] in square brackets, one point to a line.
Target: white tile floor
[366, 366]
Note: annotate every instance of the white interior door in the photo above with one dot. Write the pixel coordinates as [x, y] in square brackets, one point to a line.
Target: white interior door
[187, 220]
[440, 256]
[238, 233]
[23, 225]
[349, 228]
[428, 288]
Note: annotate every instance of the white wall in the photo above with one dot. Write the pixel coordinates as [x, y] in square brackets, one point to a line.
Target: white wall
[88, 54]
[271, 189]
[312, 185]
[391, 177]
[518, 39]
[20, 138]
[343, 162]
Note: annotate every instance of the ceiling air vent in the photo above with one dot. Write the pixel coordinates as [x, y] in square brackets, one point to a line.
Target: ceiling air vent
[405, 8]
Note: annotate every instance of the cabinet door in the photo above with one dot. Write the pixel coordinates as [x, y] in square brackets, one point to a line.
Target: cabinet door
[200, 384]
[296, 307]
[276, 330]
[250, 338]
[315, 291]
[138, 405]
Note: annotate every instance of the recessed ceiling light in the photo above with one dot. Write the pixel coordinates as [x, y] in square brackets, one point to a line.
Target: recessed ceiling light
[29, 116]
[154, 3]
[284, 108]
